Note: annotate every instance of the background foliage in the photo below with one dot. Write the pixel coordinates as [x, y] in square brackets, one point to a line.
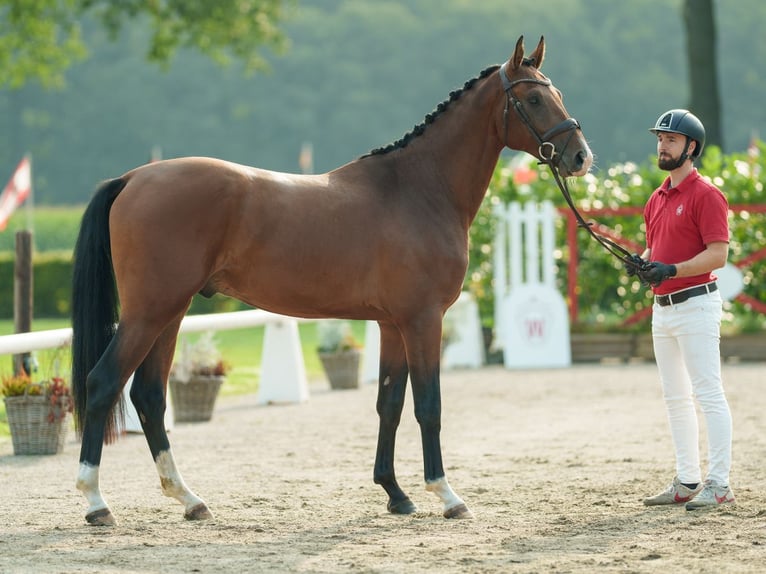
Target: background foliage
[607, 297]
[357, 74]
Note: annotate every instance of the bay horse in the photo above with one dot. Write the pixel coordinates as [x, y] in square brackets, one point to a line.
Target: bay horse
[382, 238]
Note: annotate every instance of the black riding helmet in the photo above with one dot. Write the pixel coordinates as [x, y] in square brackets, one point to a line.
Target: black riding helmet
[682, 122]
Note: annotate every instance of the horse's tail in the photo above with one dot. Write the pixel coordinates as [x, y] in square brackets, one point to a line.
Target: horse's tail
[94, 298]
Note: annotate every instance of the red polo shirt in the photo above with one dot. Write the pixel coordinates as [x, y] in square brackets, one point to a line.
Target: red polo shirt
[681, 221]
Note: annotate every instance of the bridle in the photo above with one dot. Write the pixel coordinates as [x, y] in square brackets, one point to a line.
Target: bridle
[550, 157]
[546, 148]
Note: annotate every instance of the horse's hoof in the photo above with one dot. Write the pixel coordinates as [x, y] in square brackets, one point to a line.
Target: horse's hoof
[199, 512]
[459, 511]
[102, 517]
[404, 506]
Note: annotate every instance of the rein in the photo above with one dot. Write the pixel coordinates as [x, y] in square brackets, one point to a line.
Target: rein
[547, 151]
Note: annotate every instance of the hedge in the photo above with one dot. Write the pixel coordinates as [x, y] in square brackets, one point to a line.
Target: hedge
[52, 288]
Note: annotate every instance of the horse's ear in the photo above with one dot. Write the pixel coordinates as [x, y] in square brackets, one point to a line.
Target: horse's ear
[518, 54]
[538, 55]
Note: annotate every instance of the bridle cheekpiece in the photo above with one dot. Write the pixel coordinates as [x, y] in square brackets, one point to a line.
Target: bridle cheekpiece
[550, 157]
[546, 149]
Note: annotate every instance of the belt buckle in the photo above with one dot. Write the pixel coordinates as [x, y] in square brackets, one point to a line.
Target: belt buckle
[670, 299]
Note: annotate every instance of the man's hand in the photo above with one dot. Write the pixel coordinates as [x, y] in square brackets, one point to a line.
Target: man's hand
[634, 264]
[656, 272]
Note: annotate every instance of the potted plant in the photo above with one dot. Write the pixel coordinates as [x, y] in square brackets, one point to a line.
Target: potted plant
[195, 379]
[38, 413]
[339, 352]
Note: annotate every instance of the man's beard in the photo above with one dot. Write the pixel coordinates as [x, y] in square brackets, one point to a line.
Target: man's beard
[667, 163]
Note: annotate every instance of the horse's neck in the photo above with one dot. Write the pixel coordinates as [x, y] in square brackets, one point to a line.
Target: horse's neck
[461, 149]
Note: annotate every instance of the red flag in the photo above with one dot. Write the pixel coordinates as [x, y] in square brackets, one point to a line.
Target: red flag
[16, 191]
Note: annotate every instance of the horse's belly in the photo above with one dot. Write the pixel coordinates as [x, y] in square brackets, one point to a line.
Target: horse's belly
[299, 293]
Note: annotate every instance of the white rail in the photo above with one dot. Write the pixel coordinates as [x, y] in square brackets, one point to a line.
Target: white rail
[283, 373]
[54, 338]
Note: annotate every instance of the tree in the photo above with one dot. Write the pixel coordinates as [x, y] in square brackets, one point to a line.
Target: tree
[40, 39]
[701, 43]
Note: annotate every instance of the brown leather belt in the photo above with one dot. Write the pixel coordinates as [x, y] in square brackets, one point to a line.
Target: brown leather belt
[681, 296]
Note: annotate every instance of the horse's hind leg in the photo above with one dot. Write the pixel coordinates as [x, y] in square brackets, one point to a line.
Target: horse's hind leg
[392, 386]
[104, 386]
[149, 395]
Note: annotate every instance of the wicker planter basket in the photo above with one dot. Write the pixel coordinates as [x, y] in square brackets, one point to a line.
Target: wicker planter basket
[193, 401]
[32, 430]
[342, 368]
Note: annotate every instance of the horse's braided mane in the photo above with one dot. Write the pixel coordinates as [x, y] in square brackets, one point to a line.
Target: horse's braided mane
[430, 118]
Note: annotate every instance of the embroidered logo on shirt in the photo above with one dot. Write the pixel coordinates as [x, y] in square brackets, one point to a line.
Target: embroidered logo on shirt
[680, 209]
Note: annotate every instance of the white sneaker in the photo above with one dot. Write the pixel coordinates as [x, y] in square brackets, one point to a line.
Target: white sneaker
[676, 493]
[713, 494]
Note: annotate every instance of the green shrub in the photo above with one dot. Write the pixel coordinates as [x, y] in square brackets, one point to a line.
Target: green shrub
[606, 297]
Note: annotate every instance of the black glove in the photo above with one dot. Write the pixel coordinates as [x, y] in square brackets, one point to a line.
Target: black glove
[634, 264]
[656, 272]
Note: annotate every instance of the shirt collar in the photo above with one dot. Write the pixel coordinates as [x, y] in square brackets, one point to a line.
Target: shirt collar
[685, 184]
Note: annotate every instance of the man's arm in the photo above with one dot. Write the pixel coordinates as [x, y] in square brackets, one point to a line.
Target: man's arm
[713, 257]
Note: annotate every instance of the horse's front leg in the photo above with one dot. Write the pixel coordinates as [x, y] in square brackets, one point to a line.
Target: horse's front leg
[392, 386]
[423, 344]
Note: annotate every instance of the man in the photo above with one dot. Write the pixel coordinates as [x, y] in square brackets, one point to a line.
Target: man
[687, 237]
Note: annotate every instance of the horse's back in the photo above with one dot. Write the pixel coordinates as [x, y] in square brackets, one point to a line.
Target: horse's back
[216, 226]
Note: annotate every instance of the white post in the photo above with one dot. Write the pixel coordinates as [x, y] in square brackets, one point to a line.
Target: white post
[532, 222]
[531, 319]
[371, 357]
[465, 349]
[499, 261]
[515, 252]
[132, 422]
[548, 218]
[283, 373]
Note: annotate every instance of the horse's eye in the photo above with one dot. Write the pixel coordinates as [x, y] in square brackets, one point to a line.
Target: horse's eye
[534, 100]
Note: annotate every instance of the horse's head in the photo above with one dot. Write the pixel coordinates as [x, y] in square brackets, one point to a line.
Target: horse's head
[544, 128]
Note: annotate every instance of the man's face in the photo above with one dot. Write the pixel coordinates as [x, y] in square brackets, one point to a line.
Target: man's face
[670, 146]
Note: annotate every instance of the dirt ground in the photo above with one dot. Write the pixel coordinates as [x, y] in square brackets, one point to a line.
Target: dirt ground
[553, 463]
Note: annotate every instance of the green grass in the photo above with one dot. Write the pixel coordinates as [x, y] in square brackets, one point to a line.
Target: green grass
[240, 348]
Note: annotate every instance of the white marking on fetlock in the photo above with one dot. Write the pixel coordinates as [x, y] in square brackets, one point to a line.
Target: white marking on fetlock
[442, 489]
[173, 484]
[87, 483]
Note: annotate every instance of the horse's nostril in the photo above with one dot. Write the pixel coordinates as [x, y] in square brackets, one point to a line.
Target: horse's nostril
[582, 160]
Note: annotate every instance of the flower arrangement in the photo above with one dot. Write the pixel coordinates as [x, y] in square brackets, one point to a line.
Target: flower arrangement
[195, 379]
[339, 352]
[335, 336]
[37, 413]
[56, 391]
[201, 358]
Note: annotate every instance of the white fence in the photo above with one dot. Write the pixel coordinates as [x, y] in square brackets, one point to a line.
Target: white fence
[531, 319]
[283, 373]
[37, 340]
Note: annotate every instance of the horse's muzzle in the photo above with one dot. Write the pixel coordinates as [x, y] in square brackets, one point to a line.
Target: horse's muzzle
[581, 163]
